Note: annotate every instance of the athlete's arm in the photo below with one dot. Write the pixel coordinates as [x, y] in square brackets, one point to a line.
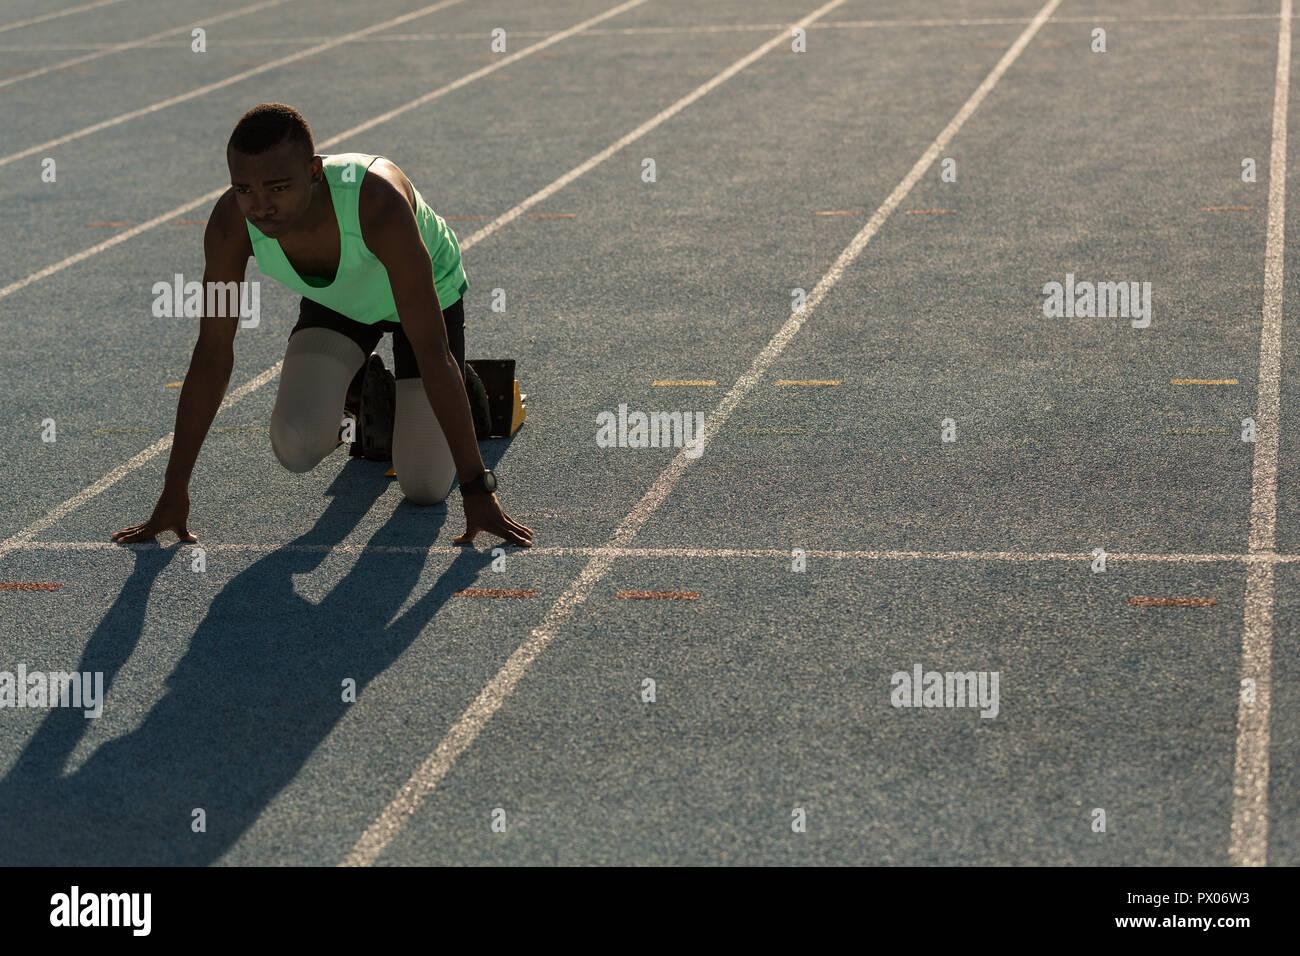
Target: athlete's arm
[390, 231]
[226, 249]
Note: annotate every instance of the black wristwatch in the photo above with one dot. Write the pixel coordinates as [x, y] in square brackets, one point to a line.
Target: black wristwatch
[485, 483]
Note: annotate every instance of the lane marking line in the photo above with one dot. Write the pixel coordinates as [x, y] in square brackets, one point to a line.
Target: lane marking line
[56, 14]
[219, 84]
[809, 381]
[707, 554]
[658, 595]
[682, 382]
[1202, 381]
[1248, 845]
[119, 47]
[497, 592]
[706, 28]
[1172, 602]
[30, 585]
[55, 515]
[376, 838]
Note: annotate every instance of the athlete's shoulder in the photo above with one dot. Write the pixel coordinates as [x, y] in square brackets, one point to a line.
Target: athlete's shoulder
[385, 188]
[384, 210]
[387, 217]
[227, 229]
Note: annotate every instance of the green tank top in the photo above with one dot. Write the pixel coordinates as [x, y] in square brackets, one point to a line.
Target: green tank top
[360, 289]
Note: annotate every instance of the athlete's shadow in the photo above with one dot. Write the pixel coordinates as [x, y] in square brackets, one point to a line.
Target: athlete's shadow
[258, 690]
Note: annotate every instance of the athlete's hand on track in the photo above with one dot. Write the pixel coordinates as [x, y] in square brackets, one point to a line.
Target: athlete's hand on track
[483, 513]
[170, 514]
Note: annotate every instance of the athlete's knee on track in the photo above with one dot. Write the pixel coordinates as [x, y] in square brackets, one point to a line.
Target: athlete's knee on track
[425, 491]
[296, 449]
[421, 456]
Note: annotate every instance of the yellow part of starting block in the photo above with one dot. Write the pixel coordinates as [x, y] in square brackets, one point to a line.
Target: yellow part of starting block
[519, 412]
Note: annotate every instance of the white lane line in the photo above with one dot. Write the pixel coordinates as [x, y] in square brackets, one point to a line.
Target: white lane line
[1098, 18]
[56, 14]
[24, 538]
[212, 196]
[470, 77]
[700, 29]
[394, 816]
[1249, 840]
[118, 239]
[221, 84]
[658, 119]
[710, 554]
[1248, 844]
[129, 44]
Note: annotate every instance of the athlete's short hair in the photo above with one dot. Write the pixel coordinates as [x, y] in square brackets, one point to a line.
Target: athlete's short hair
[267, 125]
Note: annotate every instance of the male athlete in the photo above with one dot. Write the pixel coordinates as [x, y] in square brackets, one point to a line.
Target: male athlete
[357, 241]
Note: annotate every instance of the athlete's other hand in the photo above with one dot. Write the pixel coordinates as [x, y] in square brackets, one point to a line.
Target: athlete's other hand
[483, 513]
[170, 514]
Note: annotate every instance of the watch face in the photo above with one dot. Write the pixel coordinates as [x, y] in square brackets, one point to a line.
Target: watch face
[489, 482]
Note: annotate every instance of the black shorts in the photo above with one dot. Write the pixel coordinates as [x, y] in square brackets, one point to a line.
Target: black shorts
[313, 315]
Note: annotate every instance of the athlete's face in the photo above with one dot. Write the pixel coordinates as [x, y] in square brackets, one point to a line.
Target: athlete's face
[274, 188]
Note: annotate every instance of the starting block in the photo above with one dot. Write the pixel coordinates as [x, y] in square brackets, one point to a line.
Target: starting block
[494, 397]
